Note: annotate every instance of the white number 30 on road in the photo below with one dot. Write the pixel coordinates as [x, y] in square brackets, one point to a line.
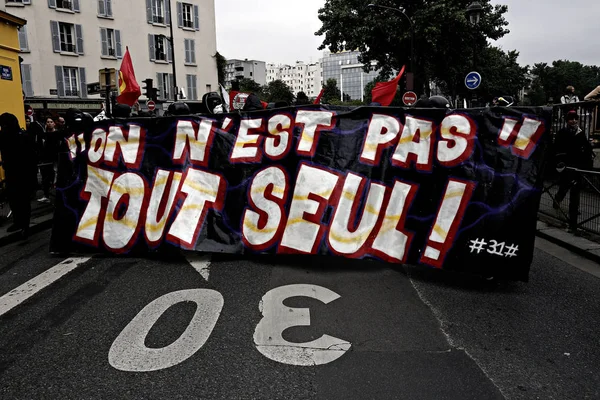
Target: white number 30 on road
[129, 353]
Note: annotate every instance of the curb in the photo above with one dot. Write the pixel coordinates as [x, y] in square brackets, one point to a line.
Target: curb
[34, 228]
[571, 247]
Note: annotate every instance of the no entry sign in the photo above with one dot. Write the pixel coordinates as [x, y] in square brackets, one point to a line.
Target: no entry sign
[409, 98]
[151, 105]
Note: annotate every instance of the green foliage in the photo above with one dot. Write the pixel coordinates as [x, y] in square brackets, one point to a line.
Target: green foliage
[444, 39]
[550, 82]
[501, 74]
[221, 66]
[331, 92]
[250, 86]
[277, 90]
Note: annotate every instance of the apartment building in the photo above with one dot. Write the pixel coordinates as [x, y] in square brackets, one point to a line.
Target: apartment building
[345, 68]
[300, 77]
[251, 69]
[66, 43]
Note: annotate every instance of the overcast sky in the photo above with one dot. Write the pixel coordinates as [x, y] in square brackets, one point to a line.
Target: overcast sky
[282, 31]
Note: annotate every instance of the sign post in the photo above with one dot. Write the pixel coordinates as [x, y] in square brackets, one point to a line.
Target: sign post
[409, 98]
[107, 80]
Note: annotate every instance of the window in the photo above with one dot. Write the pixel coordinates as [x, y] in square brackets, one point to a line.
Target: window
[190, 51]
[192, 90]
[66, 38]
[105, 8]
[17, 2]
[61, 5]
[164, 85]
[159, 48]
[23, 43]
[157, 12]
[70, 81]
[111, 42]
[188, 16]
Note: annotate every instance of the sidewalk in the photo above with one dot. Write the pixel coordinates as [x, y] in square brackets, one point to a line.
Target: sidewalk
[41, 218]
[577, 244]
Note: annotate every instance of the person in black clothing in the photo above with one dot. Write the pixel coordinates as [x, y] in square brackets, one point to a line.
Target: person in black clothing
[47, 142]
[20, 170]
[573, 150]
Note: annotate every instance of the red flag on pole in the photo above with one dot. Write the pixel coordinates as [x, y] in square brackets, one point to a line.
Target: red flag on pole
[128, 86]
[318, 99]
[384, 92]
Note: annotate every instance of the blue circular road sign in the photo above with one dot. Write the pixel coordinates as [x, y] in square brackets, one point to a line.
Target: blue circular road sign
[473, 80]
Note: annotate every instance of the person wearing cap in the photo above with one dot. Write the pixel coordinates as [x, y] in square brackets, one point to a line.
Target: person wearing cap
[569, 96]
[574, 151]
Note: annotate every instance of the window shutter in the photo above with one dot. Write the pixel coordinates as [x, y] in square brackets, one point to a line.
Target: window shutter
[179, 14]
[79, 35]
[52, 3]
[195, 87]
[169, 51]
[60, 84]
[82, 83]
[109, 8]
[196, 18]
[76, 5]
[27, 83]
[161, 85]
[23, 44]
[101, 8]
[188, 84]
[104, 41]
[149, 11]
[167, 12]
[172, 88]
[187, 50]
[151, 50]
[55, 36]
[193, 50]
[119, 50]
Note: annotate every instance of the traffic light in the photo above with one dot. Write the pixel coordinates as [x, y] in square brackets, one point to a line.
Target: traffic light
[153, 94]
[148, 89]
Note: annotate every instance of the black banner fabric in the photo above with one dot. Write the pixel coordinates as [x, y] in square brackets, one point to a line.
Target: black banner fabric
[452, 189]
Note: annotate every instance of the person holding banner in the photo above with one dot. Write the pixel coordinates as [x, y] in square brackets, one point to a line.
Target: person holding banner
[20, 170]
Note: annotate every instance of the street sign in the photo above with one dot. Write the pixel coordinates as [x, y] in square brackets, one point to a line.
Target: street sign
[29, 112]
[94, 88]
[409, 98]
[473, 80]
[151, 105]
[112, 73]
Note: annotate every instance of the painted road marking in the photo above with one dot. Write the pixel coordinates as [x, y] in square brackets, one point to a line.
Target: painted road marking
[201, 263]
[17, 296]
[129, 351]
[268, 336]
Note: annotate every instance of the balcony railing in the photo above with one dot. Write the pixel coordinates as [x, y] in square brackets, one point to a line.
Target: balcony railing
[68, 47]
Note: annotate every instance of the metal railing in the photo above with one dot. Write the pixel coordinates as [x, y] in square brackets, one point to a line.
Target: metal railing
[578, 206]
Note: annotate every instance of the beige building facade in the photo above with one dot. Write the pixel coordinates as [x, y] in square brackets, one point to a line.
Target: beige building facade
[67, 42]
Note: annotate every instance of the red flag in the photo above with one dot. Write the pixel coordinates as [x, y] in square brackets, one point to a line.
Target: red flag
[318, 99]
[128, 86]
[384, 92]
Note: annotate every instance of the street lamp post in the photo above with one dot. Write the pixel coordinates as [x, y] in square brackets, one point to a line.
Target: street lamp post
[409, 76]
[474, 11]
[170, 39]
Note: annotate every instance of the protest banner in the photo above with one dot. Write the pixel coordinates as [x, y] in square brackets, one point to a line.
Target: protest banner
[452, 189]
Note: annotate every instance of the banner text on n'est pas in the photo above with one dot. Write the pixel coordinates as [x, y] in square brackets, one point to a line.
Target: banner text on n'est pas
[378, 229]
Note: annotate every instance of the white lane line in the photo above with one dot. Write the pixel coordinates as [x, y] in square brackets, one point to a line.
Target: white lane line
[201, 263]
[17, 296]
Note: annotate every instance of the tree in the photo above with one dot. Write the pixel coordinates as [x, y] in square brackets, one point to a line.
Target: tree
[221, 66]
[278, 90]
[250, 86]
[302, 98]
[445, 42]
[549, 82]
[331, 92]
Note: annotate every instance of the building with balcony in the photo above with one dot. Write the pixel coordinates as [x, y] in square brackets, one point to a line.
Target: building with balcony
[67, 42]
[251, 69]
[348, 72]
[300, 77]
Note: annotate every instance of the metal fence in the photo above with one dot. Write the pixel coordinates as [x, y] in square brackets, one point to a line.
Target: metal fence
[580, 208]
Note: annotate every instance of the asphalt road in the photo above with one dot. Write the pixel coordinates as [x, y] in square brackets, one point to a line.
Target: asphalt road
[226, 327]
